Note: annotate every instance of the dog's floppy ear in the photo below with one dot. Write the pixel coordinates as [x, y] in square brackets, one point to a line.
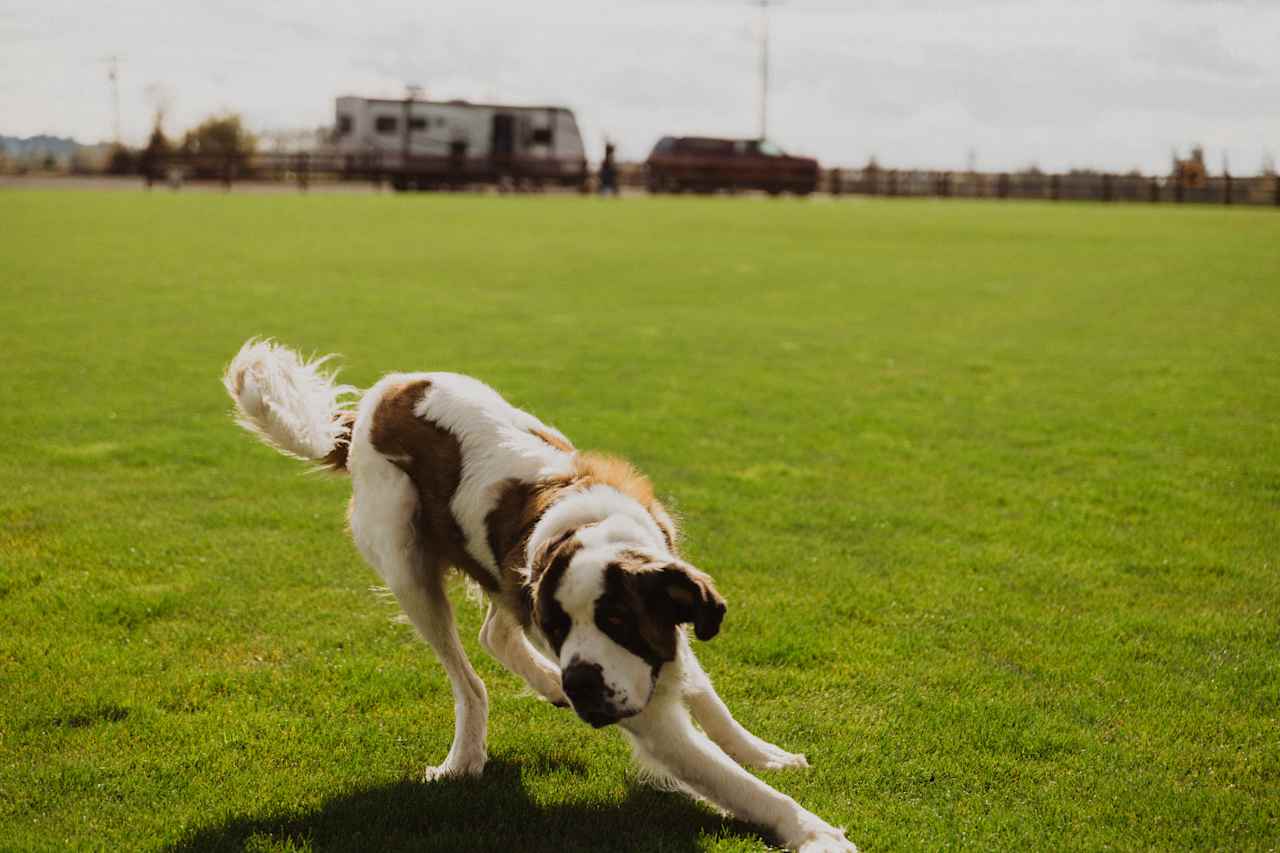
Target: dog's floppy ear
[686, 594]
[538, 565]
[543, 556]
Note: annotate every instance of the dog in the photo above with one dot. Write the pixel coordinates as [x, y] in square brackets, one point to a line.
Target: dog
[587, 593]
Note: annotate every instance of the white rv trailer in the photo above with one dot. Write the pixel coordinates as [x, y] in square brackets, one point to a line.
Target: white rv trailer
[424, 144]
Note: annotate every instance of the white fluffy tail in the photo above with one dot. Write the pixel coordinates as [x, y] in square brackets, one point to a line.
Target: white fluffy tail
[292, 404]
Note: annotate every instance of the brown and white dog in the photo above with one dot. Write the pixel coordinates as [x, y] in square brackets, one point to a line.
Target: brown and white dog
[587, 592]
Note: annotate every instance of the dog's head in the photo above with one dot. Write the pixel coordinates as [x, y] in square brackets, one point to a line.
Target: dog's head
[611, 612]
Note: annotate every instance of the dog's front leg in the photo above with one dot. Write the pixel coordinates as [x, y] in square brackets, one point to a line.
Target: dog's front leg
[506, 641]
[711, 713]
[666, 741]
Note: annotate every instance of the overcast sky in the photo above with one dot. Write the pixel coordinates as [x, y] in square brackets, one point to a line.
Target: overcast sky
[917, 83]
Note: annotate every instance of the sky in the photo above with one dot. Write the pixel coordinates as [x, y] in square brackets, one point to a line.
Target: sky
[929, 84]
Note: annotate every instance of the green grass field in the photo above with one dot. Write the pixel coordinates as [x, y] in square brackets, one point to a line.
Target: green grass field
[993, 492]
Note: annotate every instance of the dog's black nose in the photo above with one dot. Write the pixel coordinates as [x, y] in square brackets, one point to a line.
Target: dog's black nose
[584, 684]
[583, 679]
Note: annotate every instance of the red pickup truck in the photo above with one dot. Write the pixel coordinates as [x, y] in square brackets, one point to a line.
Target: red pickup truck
[704, 164]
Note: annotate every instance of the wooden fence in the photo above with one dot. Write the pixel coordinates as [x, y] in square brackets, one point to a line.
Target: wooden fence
[303, 169]
[1223, 189]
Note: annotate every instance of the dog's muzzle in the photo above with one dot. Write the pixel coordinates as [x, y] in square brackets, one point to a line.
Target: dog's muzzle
[591, 698]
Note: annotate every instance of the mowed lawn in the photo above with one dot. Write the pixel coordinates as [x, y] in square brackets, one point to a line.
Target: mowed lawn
[993, 492]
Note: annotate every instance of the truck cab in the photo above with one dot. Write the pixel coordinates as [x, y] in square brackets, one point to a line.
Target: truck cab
[708, 164]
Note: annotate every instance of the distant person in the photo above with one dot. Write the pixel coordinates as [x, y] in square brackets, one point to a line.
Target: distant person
[608, 172]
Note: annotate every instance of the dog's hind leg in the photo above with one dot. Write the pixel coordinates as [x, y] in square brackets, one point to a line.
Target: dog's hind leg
[713, 715]
[422, 596]
[384, 524]
[506, 641]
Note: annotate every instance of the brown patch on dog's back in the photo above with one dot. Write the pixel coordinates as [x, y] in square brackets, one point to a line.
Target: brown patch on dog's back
[432, 457]
[513, 517]
[620, 474]
[554, 440]
[616, 472]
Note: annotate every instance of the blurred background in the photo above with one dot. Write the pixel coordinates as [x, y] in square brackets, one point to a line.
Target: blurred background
[916, 97]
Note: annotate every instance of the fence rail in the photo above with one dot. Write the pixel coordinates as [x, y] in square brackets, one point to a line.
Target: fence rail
[1223, 189]
[399, 170]
[302, 169]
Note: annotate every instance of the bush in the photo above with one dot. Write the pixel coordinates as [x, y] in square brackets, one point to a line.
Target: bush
[219, 143]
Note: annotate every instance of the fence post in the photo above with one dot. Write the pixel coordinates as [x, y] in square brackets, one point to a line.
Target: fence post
[836, 178]
[1276, 181]
[1002, 185]
[1226, 189]
[303, 169]
[1106, 187]
[1154, 191]
[1177, 187]
[1055, 188]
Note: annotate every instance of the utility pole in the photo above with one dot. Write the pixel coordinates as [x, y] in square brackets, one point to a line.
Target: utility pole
[113, 74]
[764, 65]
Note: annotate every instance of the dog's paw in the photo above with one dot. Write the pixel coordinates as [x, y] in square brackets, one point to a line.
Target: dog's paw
[456, 768]
[829, 840]
[770, 757]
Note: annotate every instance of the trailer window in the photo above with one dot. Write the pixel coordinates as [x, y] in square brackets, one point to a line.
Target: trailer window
[385, 124]
[542, 136]
[417, 124]
[344, 124]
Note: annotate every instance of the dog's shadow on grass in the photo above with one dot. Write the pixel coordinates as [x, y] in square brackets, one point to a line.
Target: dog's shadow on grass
[493, 812]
